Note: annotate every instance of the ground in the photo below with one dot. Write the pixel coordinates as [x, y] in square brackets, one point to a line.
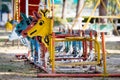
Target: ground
[13, 69]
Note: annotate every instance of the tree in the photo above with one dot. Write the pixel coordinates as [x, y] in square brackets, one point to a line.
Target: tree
[5, 9]
[64, 8]
[102, 11]
[79, 6]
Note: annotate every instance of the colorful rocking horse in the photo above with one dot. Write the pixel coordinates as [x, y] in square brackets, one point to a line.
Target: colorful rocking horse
[32, 44]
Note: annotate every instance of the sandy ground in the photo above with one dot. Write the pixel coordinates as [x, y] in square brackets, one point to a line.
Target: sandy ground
[14, 69]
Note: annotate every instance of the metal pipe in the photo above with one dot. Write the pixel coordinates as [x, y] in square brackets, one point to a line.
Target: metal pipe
[27, 8]
[86, 25]
[77, 63]
[91, 46]
[68, 58]
[83, 43]
[53, 53]
[77, 75]
[95, 44]
[85, 51]
[104, 53]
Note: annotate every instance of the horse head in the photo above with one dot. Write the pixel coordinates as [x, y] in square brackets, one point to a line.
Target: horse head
[41, 28]
[36, 16]
[23, 24]
[16, 33]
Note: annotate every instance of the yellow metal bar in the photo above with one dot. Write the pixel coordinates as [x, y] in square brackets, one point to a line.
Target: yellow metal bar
[16, 11]
[118, 2]
[104, 53]
[77, 63]
[49, 5]
[105, 16]
[52, 48]
[52, 53]
[69, 39]
[50, 8]
[95, 44]
[86, 25]
[97, 48]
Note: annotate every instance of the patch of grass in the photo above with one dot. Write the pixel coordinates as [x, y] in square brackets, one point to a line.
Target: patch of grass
[117, 66]
[101, 78]
[7, 68]
[2, 40]
[16, 68]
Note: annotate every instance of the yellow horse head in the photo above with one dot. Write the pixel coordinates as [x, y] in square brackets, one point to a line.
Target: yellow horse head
[42, 27]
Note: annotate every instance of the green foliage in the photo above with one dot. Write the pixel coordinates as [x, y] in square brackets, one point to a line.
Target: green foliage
[6, 0]
[56, 22]
[90, 3]
[59, 21]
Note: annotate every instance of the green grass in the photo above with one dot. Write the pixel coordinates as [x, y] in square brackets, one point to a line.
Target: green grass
[8, 68]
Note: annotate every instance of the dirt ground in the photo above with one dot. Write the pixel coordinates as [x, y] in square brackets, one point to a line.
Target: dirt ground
[14, 69]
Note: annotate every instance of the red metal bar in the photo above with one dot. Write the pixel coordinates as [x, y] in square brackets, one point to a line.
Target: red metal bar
[22, 6]
[86, 55]
[84, 46]
[91, 41]
[77, 75]
[43, 50]
[64, 35]
[83, 43]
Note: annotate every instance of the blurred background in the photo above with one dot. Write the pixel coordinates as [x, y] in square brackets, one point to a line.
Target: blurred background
[64, 9]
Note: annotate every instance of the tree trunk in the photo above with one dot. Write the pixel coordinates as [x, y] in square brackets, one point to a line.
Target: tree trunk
[102, 11]
[0, 10]
[79, 6]
[64, 8]
[0, 15]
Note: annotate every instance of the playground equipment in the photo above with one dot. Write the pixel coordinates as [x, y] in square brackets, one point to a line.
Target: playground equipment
[10, 24]
[16, 12]
[14, 21]
[44, 24]
[87, 58]
[30, 43]
[58, 52]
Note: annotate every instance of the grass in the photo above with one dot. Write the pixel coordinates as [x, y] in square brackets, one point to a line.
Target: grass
[8, 68]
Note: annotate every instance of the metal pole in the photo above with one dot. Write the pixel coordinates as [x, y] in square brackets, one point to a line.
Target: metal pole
[104, 53]
[27, 8]
[52, 39]
[86, 25]
[77, 75]
[91, 46]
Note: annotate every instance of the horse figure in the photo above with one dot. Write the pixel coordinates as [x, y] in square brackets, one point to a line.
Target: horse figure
[16, 33]
[32, 44]
[41, 28]
[25, 33]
